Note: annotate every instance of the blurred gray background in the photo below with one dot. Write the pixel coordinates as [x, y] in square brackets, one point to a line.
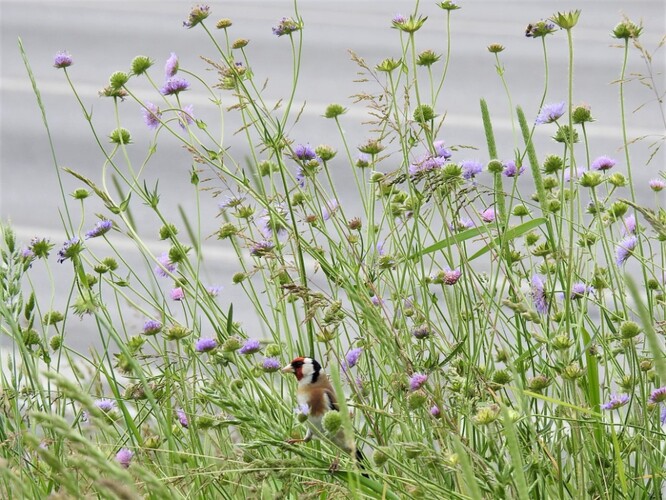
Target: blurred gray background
[104, 37]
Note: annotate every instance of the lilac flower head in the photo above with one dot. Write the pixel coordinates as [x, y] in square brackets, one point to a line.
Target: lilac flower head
[250, 346]
[165, 263]
[69, 249]
[488, 215]
[657, 185]
[205, 345]
[102, 227]
[62, 60]
[616, 401]
[182, 418]
[425, 164]
[417, 380]
[510, 169]
[363, 160]
[261, 248]
[151, 115]
[270, 364]
[171, 66]
[435, 411]
[27, 254]
[197, 14]
[470, 168]
[577, 173]
[603, 163]
[186, 116]
[451, 276]
[300, 177]
[579, 290]
[399, 19]
[376, 301]
[550, 112]
[124, 457]
[304, 152]
[441, 151]
[329, 209]
[539, 294]
[106, 405]
[174, 85]
[303, 409]
[286, 26]
[629, 224]
[658, 395]
[214, 290]
[625, 248]
[353, 357]
[461, 225]
[152, 327]
[177, 294]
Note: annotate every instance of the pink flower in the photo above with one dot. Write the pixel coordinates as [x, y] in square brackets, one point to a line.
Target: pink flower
[177, 294]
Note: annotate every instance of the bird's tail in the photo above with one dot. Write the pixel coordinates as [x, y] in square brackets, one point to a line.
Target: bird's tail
[361, 461]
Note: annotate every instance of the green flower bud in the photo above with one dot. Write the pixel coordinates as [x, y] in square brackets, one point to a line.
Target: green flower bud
[646, 365]
[238, 278]
[178, 253]
[371, 147]
[110, 263]
[231, 344]
[502, 377]
[325, 152]
[30, 337]
[334, 110]
[495, 48]
[298, 198]
[553, 205]
[244, 212]
[495, 167]
[168, 231]
[427, 58]
[177, 332]
[531, 238]
[413, 450]
[538, 383]
[448, 5]
[388, 65]
[56, 342]
[273, 350]
[626, 30]
[140, 65]
[581, 114]
[380, 456]
[563, 135]
[627, 383]
[452, 171]
[550, 182]
[332, 422]
[552, 164]
[416, 399]
[424, 114]
[521, 211]
[590, 179]
[618, 180]
[223, 24]
[572, 371]
[486, 415]
[118, 79]
[618, 209]
[587, 239]
[566, 20]
[266, 167]
[240, 43]
[227, 231]
[237, 384]
[52, 318]
[561, 342]
[120, 136]
[80, 194]
[629, 329]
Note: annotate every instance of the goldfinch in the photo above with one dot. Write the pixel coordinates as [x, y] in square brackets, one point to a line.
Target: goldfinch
[316, 393]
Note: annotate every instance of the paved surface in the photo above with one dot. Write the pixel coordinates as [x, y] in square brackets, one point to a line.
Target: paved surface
[105, 36]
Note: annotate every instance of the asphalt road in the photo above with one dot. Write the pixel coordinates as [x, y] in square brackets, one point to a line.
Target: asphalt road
[105, 36]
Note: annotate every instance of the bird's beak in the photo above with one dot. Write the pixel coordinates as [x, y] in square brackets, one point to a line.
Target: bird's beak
[288, 369]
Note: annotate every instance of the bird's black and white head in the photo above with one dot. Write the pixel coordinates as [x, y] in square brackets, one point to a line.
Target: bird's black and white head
[306, 370]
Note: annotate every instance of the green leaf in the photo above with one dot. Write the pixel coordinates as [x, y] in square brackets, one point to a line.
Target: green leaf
[510, 235]
[451, 240]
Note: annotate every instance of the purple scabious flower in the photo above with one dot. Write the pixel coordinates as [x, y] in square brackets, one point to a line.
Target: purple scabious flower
[329, 209]
[577, 173]
[625, 248]
[425, 164]
[304, 152]
[629, 225]
[165, 266]
[616, 401]
[174, 85]
[441, 151]
[488, 215]
[300, 177]
[353, 356]
[151, 115]
[124, 457]
[262, 248]
[27, 254]
[550, 112]
[106, 405]
[197, 14]
[214, 290]
[510, 169]
[69, 249]
[268, 225]
[177, 294]
[417, 380]
[539, 294]
[421, 332]
[62, 60]
[451, 276]
[399, 19]
[270, 364]
[152, 327]
[376, 301]
[461, 225]
[435, 411]
[363, 160]
[656, 185]
[579, 290]
[171, 66]
[658, 395]
[205, 345]
[102, 227]
[250, 346]
[286, 26]
[603, 163]
[182, 418]
[470, 168]
[302, 409]
[186, 116]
